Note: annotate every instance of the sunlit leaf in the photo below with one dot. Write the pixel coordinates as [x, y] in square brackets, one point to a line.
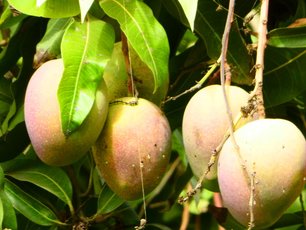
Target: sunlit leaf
[190, 10]
[47, 8]
[141, 28]
[108, 200]
[30, 207]
[7, 19]
[84, 7]
[9, 216]
[288, 37]
[40, 2]
[52, 179]
[86, 49]
[50, 45]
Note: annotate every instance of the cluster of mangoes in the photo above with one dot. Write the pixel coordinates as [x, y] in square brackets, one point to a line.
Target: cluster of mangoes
[260, 170]
[130, 137]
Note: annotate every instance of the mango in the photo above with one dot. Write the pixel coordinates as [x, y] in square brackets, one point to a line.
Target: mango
[116, 77]
[205, 123]
[43, 120]
[132, 153]
[270, 164]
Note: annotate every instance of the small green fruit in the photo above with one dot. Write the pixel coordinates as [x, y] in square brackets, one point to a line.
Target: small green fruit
[135, 145]
[43, 121]
[205, 123]
[271, 159]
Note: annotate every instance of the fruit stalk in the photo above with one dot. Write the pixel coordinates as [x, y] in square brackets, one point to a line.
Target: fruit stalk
[259, 66]
[132, 91]
[224, 65]
[257, 92]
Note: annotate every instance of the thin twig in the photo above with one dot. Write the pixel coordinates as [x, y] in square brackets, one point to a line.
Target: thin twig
[211, 162]
[199, 83]
[224, 67]
[185, 215]
[257, 92]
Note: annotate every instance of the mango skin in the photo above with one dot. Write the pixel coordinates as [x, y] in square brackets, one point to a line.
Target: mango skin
[134, 137]
[205, 122]
[43, 122]
[273, 149]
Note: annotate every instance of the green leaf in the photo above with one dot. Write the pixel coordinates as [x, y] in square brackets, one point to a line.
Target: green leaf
[30, 207]
[52, 179]
[28, 159]
[6, 98]
[9, 216]
[108, 200]
[14, 142]
[1, 178]
[158, 226]
[7, 19]
[86, 49]
[1, 213]
[190, 10]
[48, 8]
[141, 28]
[84, 7]
[50, 45]
[40, 2]
[211, 31]
[9, 115]
[17, 119]
[288, 37]
[284, 76]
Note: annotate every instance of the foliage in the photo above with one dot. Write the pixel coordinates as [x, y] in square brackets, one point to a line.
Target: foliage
[179, 41]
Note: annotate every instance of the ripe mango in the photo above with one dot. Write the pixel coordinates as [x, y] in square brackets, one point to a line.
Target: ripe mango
[135, 145]
[43, 120]
[271, 160]
[205, 123]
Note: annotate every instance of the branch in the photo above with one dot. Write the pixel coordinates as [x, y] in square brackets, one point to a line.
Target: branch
[224, 67]
[259, 66]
